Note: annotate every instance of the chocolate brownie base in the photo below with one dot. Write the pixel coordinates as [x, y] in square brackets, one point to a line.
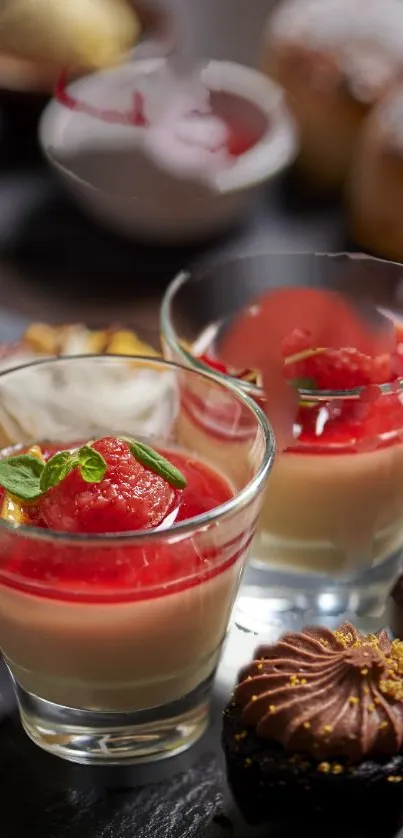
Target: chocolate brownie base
[269, 784]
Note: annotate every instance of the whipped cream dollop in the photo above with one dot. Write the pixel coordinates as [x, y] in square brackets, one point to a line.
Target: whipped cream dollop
[327, 693]
[88, 397]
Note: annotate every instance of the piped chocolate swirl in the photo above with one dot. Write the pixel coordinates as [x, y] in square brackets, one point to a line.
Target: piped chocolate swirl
[327, 693]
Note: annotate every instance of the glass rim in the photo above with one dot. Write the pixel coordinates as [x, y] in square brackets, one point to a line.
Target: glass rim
[182, 528]
[253, 391]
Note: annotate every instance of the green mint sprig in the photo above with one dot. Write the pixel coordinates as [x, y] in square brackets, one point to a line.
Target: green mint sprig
[154, 461]
[303, 383]
[28, 478]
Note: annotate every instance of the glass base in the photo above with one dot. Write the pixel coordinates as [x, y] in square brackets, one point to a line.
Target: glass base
[270, 598]
[90, 737]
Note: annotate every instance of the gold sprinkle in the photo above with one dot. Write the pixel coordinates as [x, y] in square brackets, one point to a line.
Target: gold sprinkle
[383, 725]
[377, 700]
[324, 642]
[394, 779]
[253, 698]
[307, 725]
[259, 666]
[337, 768]
[364, 671]
[371, 708]
[354, 700]
[303, 681]
[242, 735]
[324, 767]
[249, 678]
[248, 762]
[366, 690]
[327, 729]
[272, 708]
[392, 687]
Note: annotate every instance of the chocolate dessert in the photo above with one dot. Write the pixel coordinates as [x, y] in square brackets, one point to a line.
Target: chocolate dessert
[316, 727]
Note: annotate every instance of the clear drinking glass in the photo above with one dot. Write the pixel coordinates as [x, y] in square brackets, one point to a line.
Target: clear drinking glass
[330, 536]
[112, 641]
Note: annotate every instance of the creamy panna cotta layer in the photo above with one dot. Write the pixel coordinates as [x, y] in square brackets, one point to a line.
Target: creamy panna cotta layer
[326, 510]
[325, 513]
[120, 656]
[332, 513]
[123, 626]
[334, 504]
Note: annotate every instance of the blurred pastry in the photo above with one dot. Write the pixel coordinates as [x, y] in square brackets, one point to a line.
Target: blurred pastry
[42, 340]
[77, 34]
[336, 59]
[376, 188]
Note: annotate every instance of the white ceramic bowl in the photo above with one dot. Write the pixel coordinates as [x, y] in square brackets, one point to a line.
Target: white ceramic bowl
[109, 170]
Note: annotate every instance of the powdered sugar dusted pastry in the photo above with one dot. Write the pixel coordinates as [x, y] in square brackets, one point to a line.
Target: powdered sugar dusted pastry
[336, 59]
[376, 190]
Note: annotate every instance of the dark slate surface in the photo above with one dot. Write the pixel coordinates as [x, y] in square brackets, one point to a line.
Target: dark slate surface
[57, 265]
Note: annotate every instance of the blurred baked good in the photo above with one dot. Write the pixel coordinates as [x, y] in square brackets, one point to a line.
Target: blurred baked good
[39, 38]
[42, 340]
[376, 186]
[336, 59]
[72, 33]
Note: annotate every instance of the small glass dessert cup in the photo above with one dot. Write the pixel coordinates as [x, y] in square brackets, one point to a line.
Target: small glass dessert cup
[330, 535]
[112, 627]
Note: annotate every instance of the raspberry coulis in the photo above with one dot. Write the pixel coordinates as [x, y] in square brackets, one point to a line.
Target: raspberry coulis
[366, 422]
[239, 139]
[369, 421]
[130, 498]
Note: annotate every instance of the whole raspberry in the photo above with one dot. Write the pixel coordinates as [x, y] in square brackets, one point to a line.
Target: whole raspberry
[339, 369]
[130, 496]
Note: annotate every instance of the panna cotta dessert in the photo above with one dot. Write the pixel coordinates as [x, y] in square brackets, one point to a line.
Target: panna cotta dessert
[335, 500]
[121, 553]
[124, 629]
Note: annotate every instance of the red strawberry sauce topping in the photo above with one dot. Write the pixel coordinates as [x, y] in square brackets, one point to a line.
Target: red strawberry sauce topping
[239, 139]
[130, 497]
[356, 424]
[372, 420]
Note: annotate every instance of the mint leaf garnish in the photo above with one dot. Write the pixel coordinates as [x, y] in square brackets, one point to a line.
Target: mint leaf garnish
[56, 469]
[28, 478]
[21, 476]
[303, 383]
[151, 459]
[92, 465]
